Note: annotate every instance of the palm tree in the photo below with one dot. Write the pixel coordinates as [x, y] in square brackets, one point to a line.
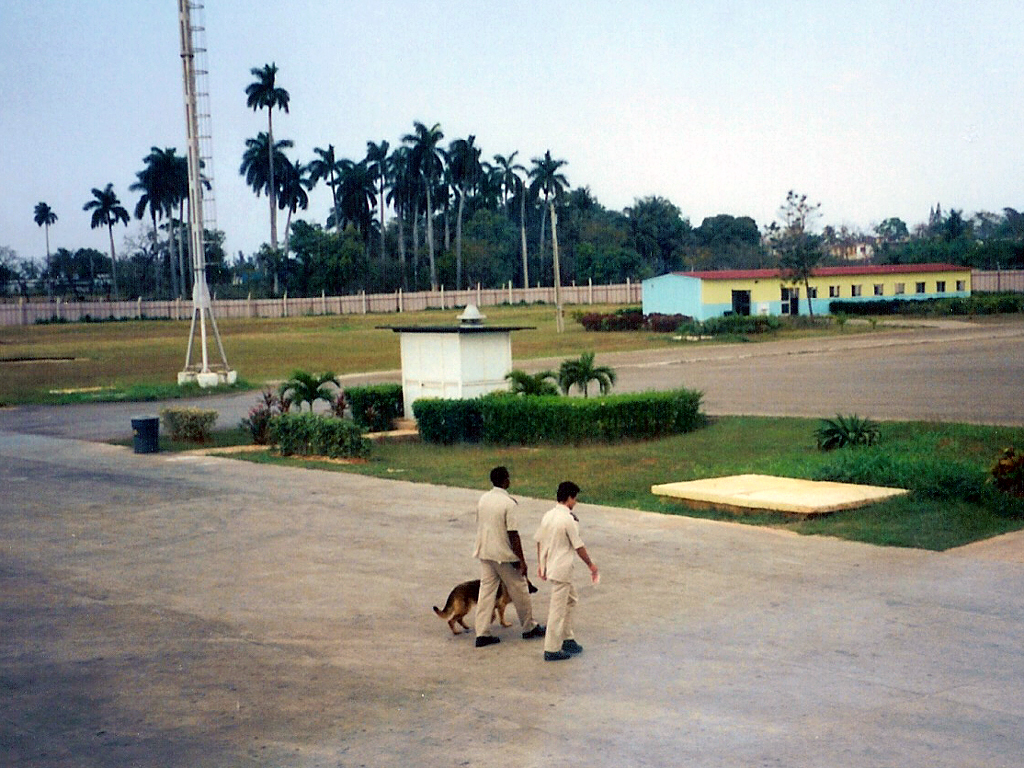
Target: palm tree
[327, 166]
[108, 211]
[512, 185]
[44, 217]
[548, 181]
[579, 373]
[304, 387]
[259, 172]
[357, 196]
[265, 93]
[464, 162]
[293, 185]
[377, 162]
[536, 384]
[162, 189]
[427, 162]
[403, 197]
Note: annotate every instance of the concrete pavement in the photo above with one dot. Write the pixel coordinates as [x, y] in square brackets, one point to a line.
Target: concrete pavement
[181, 610]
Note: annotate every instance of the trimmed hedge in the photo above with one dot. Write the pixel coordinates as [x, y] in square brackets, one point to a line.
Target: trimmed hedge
[313, 434]
[977, 304]
[191, 425]
[503, 419]
[375, 407]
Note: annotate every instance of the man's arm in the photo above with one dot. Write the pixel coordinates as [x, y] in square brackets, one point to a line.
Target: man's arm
[517, 547]
[582, 552]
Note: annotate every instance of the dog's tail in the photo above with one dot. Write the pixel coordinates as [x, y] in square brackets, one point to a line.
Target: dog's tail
[446, 612]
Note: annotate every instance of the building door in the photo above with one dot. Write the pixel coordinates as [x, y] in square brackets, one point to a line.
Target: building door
[741, 302]
[791, 301]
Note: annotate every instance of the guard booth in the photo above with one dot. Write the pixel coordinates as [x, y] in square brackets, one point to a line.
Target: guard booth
[454, 362]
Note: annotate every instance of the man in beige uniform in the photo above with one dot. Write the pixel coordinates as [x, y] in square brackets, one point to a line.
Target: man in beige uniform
[558, 544]
[500, 551]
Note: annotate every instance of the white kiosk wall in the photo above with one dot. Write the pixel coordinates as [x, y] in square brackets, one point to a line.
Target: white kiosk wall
[457, 363]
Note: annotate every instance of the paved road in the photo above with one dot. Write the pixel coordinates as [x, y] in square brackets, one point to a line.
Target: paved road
[950, 371]
[181, 610]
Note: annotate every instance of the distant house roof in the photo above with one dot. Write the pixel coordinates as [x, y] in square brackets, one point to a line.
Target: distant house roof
[877, 269]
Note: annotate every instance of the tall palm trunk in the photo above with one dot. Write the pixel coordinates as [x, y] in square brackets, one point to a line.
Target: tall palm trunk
[430, 238]
[383, 259]
[272, 192]
[458, 240]
[415, 247]
[400, 216]
[522, 239]
[559, 320]
[49, 266]
[113, 261]
[185, 258]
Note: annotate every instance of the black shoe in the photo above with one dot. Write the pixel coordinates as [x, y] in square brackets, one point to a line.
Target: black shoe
[484, 640]
[571, 646]
[556, 656]
[537, 631]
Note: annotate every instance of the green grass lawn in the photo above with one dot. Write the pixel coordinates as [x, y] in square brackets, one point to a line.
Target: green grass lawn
[622, 475]
[140, 359]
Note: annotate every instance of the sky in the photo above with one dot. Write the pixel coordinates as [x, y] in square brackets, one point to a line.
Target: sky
[874, 109]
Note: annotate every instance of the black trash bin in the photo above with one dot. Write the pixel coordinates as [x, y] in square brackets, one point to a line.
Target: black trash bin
[146, 434]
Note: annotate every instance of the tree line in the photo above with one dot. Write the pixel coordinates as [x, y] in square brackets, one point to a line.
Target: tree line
[429, 212]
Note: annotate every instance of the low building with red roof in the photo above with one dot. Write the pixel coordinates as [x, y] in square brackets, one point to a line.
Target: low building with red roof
[707, 294]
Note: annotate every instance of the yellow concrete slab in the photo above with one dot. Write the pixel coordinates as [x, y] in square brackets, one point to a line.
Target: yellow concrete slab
[765, 493]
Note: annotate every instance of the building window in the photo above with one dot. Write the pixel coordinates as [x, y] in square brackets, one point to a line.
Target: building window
[961, 286]
[879, 289]
[812, 293]
[833, 291]
[900, 288]
[920, 287]
[940, 286]
[855, 290]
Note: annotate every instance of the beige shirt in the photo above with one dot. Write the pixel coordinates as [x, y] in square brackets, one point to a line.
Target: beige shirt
[495, 517]
[559, 538]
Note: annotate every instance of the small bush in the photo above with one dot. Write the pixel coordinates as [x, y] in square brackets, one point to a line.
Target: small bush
[1007, 474]
[375, 407]
[846, 431]
[258, 421]
[313, 434]
[192, 425]
[630, 319]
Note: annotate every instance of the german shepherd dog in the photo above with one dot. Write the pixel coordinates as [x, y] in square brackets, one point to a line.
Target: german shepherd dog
[462, 599]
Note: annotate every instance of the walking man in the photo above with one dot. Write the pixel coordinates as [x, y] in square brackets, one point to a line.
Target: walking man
[500, 551]
[558, 544]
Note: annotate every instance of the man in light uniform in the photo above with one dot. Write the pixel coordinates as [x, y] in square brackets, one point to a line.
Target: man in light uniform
[558, 544]
[500, 551]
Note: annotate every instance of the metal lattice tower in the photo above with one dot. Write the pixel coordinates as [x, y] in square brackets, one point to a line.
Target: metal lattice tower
[201, 207]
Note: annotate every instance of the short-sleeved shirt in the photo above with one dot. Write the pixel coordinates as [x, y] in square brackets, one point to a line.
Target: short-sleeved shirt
[559, 538]
[495, 517]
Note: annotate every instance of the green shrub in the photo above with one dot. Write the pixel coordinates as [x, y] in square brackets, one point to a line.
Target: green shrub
[446, 422]
[192, 425]
[503, 419]
[375, 407]
[1007, 474]
[925, 478]
[314, 434]
[258, 421]
[845, 431]
[731, 325]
